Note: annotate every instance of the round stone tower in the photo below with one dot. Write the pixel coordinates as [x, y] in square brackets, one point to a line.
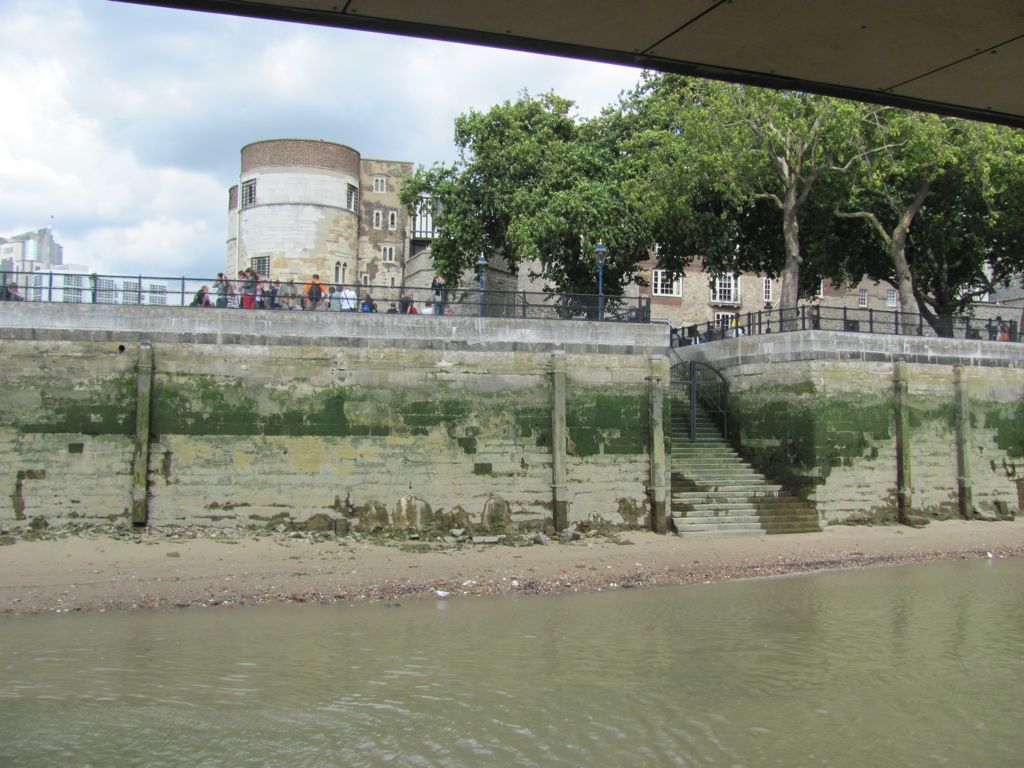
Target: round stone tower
[295, 210]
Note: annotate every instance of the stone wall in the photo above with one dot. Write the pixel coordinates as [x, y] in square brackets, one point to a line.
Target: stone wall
[253, 418]
[879, 427]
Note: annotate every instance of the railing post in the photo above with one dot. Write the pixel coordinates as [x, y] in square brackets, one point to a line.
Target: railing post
[140, 291]
[49, 290]
[183, 290]
[871, 320]
[846, 320]
[896, 321]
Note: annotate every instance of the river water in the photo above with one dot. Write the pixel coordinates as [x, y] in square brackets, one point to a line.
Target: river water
[906, 666]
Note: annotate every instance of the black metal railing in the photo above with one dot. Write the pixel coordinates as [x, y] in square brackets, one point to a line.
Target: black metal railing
[268, 294]
[701, 394]
[847, 320]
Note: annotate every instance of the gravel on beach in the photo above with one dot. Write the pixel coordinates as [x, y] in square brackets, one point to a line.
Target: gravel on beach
[66, 572]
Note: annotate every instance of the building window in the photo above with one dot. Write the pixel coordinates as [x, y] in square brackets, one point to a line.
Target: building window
[423, 220]
[249, 193]
[352, 197]
[72, 293]
[662, 283]
[106, 290]
[727, 290]
[156, 294]
[378, 218]
[261, 264]
[364, 278]
[726, 319]
[387, 254]
[380, 184]
[392, 282]
[890, 298]
[862, 297]
[130, 292]
[393, 220]
[767, 290]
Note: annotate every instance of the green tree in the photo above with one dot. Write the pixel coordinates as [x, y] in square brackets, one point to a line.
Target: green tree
[941, 198]
[734, 159]
[534, 184]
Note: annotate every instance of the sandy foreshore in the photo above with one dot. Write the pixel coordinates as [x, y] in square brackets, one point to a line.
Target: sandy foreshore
[156, 570]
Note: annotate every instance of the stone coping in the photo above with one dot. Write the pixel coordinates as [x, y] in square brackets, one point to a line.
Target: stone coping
[28, 321]
[794, 346]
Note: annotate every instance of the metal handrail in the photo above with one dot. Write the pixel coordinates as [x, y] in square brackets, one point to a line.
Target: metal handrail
[702, 388]
[845, 320]
[143, 290]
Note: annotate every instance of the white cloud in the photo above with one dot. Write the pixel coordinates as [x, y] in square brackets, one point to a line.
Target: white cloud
[125, 122]
[155, 247]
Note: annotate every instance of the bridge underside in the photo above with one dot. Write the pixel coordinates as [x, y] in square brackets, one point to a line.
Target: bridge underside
[945, 56]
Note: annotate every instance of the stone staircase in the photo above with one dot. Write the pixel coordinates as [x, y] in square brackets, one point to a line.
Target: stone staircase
[715, 492]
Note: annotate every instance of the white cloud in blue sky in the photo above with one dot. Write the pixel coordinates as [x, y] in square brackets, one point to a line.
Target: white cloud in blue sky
[124, 123]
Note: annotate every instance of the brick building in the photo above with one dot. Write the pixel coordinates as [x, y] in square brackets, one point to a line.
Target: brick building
[697, 297]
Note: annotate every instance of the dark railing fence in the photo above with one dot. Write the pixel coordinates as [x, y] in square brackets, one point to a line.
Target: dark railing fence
[60, 287]
[700, 401]
[848, 320]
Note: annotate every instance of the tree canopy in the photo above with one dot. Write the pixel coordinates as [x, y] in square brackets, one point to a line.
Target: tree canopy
[536, 185]
[782, 183]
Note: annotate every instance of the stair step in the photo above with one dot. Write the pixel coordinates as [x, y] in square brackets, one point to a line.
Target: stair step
[760, 495]
[687, 533]
[737, 521]
[748, 489]
[717, 508]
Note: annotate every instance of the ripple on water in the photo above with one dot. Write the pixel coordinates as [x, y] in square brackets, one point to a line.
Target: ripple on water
[877, 667]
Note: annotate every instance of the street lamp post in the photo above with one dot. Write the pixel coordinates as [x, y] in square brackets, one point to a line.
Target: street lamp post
[602, 254]
[481, 268]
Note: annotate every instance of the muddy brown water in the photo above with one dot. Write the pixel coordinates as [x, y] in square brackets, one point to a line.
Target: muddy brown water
[913, 666]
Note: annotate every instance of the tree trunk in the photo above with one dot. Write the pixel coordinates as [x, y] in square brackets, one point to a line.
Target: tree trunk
[791, 269]
[908, 304]
[898, 254]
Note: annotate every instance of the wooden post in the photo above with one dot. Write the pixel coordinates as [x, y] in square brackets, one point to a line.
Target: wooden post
[904, 493]
[962, 406]
[140, 459]
[658, 485]
[559, 444]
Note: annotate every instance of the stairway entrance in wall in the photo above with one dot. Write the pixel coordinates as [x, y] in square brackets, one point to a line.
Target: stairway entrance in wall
[715, 491]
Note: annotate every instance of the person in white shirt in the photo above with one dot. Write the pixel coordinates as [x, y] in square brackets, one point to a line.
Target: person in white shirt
[348, 299]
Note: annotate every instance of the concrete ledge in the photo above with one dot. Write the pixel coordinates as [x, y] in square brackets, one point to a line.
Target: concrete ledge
[116, 323]
[796, 346]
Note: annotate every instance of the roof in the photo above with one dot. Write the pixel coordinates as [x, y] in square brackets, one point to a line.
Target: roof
[946, 56]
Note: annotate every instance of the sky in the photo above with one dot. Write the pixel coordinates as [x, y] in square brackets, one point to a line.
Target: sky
[122, 125]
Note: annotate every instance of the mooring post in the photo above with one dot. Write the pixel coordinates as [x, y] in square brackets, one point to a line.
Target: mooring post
[140, 459]
[559, 444]
[658, 486]
[904, 494]
[962, 406]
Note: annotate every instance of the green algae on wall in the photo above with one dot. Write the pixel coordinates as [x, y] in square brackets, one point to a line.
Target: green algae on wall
[797, 435]
[204, 405]
[607, 419]
[1008, 422]
[103, 406]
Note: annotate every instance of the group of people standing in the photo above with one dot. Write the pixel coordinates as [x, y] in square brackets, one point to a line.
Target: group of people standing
[251, 291]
